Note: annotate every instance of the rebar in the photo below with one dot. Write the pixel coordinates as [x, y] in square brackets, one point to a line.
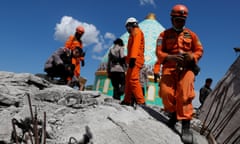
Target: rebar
[14, 121]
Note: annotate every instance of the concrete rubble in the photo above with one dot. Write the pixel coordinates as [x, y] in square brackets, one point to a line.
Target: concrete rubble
[74, 116]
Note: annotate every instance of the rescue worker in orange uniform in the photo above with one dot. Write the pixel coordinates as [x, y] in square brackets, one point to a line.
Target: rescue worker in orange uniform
[178, 50]
[135, 61]
[73, 42]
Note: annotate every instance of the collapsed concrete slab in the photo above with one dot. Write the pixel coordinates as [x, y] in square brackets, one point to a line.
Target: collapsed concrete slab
[220, 113]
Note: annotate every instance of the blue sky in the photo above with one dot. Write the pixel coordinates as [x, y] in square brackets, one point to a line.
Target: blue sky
[32, 30]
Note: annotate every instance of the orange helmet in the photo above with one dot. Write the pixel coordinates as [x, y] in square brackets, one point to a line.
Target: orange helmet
[80, 29]
[179, 10]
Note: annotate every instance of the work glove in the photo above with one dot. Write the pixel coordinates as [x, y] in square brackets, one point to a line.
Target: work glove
[156, 77]
[177, 58]
[83, 54]
[83, 63]
[132, 62]
[188, 58]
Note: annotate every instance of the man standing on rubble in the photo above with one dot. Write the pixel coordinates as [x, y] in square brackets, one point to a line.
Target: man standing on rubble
[116, 68]
[178, 50]
[205, 90]
[135, 61]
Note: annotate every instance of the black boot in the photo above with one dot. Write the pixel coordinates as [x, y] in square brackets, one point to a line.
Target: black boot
[125, 103]
[187, 136]
[172, 120]
[116, 96]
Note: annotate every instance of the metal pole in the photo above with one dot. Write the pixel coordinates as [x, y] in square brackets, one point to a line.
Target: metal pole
[36, 127]
[44, 128]
[14, 129]
[30, 105]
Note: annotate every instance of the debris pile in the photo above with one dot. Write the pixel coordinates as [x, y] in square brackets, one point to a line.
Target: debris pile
[32, 110]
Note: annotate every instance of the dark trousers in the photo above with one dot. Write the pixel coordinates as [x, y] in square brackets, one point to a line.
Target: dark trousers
[61, 71]
[143, 90]
[118, 83]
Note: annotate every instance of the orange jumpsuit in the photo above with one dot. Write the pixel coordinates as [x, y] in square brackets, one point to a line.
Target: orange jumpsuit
[177, 88]
[156, 67]
[72, 43]
[135, 50]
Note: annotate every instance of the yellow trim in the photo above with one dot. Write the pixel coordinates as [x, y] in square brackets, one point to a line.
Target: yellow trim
[104, 73]
[101, 73]
[151, 78]
[151, 16]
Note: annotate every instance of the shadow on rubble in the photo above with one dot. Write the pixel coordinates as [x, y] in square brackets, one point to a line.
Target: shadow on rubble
[161, 117]
[87, 138]
[155, 114]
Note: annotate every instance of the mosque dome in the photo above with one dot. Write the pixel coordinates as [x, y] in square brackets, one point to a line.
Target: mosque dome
[151, 29]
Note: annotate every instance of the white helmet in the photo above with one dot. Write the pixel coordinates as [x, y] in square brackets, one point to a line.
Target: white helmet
[131, 20]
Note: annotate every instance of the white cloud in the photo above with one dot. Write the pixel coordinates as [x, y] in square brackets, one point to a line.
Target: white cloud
[96, 57]
[92, 35]
[98, 47]
[144, 2]
[110, 36]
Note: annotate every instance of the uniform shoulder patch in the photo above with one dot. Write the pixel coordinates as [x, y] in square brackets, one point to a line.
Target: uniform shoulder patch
[187, 34]
[159, 41]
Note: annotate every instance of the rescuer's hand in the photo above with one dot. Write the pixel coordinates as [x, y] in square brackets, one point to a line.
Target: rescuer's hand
[188, 58]
[177, 58]
[132, 62]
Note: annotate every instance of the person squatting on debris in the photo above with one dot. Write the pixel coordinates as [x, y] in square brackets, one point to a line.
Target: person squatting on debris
[204, 91]
[135, 61]
[73, 42]
[59, 64]
[178, 50]
[144, 78]
[116, 68]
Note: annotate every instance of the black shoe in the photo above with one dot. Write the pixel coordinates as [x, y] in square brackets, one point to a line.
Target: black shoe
[141, 104]
[124, 103]
[115, 97]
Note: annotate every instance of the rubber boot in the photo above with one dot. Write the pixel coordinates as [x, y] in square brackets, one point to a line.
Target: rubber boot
[172, 121]
[187, 136]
